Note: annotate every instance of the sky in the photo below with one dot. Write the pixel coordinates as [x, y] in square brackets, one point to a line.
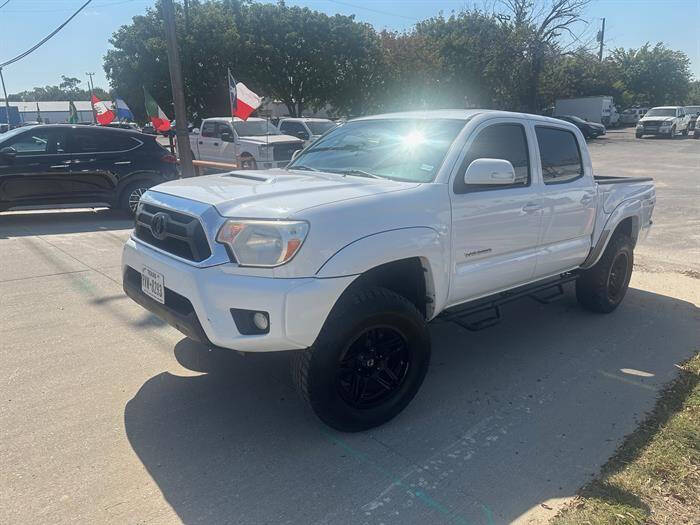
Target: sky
[80, 46]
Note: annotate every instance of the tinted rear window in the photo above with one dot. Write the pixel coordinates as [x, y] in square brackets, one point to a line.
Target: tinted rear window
[88, 141]
[560, 155]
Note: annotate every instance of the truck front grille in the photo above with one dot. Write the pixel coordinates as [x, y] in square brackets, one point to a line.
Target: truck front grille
[176, 233]
[652, 123]
[284, 151]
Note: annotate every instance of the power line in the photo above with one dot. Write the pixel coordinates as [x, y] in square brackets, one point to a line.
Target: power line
[61, 9]
[44, 40]
[4, 4]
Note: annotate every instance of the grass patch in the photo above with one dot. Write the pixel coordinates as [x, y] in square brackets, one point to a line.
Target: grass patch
[654, 477]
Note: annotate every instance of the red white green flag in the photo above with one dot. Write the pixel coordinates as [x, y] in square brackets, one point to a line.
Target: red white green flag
[104, 112]
[158, 117]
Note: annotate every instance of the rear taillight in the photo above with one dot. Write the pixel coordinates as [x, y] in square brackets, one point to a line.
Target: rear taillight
[170, 159]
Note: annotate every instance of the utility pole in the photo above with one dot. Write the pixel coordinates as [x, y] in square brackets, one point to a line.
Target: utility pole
[183, 138]
[601, 39]
[92, 92]
[7, 102]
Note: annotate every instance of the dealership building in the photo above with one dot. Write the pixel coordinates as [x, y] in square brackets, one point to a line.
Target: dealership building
[52, 112]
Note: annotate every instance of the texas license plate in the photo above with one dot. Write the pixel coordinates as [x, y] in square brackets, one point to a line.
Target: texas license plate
[152, 284]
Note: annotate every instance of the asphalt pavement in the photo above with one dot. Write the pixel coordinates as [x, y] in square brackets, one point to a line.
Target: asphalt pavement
[107, 415]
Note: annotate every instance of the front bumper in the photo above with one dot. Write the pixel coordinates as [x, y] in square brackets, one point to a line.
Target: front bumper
[198, 301]
[654, 131]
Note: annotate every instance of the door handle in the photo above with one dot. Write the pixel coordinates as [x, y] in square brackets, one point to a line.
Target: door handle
[58, 166]
[201, 142]
[122, 162]
[532, 207]
[216, 143]
[586, 199]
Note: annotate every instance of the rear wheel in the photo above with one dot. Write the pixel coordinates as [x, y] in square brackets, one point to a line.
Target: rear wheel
[248, 163]
[602, 287]
[131, 195]
[367, 363]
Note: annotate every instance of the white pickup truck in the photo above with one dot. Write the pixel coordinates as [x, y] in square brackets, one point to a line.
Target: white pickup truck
[252, 144]
[666, 121]
[382, 225]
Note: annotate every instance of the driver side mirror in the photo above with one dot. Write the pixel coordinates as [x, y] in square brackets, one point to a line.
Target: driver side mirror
[8, 152]
[490, 171]
[226, 137]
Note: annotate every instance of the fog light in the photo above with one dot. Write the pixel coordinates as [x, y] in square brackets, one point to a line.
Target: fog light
[251, 322]
[261, 321]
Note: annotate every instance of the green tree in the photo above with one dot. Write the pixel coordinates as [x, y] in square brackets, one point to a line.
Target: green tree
[652, 76]
[301, 57]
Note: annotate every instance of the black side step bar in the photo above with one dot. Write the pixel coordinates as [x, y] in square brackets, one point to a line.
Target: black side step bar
[484, 313]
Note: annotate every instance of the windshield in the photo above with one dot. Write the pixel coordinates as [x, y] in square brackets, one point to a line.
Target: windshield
[692, 110]
[13, 133]
[661, 112]
[405, 149]
[320, 127]
[255, 128]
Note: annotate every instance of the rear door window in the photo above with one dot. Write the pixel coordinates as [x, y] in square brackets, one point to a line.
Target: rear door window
[93, 141]
[559, 154]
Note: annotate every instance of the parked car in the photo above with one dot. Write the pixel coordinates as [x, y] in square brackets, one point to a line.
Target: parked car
[665, 121]
[631, 116]
[307, 129]
[71, 164]
[252, 143]
[588, 129]
[600, 109]
[693, 112]
[382, 225]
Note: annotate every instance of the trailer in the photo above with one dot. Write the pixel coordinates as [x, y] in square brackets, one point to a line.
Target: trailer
[600, 109]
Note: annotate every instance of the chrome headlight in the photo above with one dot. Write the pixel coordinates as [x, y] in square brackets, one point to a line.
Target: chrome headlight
[263, 242]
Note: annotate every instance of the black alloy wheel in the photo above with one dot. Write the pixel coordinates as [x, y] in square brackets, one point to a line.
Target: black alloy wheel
[373, 367]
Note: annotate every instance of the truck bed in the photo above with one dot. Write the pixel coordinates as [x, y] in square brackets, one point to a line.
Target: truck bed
[607, 179]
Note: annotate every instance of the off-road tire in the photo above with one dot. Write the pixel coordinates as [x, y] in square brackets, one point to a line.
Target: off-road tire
[594, 289]
[126, 199]
[316, 370]
[673, 133]
[685, 132]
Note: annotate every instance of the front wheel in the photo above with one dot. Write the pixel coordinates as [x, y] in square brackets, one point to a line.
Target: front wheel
[131, 195]
[602, 287]
[367, 363]
[685, 132]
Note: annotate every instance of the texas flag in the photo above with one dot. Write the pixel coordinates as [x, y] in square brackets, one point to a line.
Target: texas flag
[243, 100]
[104, 112]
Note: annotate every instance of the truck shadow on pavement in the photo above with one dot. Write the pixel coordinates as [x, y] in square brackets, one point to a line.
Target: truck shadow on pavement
[52, 222]
[507, 419]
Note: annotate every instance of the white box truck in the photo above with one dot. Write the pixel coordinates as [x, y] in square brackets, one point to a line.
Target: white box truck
[595, 109]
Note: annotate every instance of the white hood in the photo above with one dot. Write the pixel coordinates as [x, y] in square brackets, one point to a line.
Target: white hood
[275, 193]
[270, 139]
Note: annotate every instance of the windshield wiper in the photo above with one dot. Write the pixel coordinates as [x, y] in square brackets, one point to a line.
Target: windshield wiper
[303, 168]
[361, 173]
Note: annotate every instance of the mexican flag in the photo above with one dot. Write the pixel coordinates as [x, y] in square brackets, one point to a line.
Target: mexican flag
[73, 113]
[104, 112]
[158, 117]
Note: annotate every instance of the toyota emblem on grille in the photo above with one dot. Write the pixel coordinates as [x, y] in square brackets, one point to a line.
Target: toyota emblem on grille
[159, 225]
